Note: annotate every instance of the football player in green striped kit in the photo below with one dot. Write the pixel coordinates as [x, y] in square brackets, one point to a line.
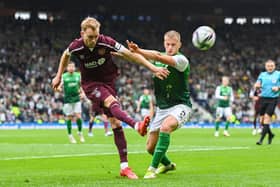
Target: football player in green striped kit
[172, 100]
[71, 83]
[145, 104]
[225, 97]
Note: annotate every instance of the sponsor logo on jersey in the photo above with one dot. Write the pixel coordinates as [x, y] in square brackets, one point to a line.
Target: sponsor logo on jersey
[72, 84]
[94, 64]
[159, 64]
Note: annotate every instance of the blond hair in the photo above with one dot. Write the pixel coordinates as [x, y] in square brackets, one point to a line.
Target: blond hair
[225, 78]
[90, 22]
[270, 61]
[173, 34]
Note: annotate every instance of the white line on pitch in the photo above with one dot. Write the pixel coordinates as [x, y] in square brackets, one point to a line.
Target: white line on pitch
[130, 152]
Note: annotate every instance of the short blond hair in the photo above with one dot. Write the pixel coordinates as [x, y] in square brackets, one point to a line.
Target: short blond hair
[90, 22]
[270, 61]
[173, 34]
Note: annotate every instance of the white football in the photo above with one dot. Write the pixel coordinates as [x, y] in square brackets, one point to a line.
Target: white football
[204, 38]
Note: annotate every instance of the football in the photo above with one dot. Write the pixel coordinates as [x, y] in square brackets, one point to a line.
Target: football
[204, 38]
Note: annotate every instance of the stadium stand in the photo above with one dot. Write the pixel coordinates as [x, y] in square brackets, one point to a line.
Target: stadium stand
[30, 50]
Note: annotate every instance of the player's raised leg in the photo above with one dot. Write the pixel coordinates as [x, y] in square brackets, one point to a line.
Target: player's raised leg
[115, 108]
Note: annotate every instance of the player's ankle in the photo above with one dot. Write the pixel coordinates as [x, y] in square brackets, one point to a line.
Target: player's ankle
[136, 126]
[124, 165]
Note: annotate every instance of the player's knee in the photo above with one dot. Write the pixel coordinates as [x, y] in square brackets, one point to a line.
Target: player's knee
[169, 127]
[166, 129]
[69, 117]
[267, 120]
[218, 120]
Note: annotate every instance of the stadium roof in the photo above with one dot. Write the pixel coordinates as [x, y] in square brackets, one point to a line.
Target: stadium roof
[223, 7]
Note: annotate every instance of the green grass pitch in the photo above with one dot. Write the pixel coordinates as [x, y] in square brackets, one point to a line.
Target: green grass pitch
[45, 158]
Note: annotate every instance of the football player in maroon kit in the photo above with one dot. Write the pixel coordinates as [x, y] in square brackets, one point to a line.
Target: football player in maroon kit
[99, 72]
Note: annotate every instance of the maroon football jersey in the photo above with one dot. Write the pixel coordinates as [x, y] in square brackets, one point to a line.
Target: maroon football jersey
[96, 64]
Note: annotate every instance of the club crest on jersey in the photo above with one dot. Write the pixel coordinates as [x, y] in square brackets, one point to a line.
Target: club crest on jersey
[274, 81]
[96, 92]
[182, 115]
[101, 51]
[82, 57]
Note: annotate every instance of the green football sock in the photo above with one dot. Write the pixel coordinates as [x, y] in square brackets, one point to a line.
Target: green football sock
[69, 126]
[217, 125]
[165, 161]
[79, 124]
[161, 148]
[226, 125]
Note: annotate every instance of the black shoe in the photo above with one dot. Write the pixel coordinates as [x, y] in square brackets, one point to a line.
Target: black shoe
[270, 138]
[259, 143]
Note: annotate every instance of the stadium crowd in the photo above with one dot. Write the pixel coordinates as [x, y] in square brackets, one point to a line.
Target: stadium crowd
[30, 51]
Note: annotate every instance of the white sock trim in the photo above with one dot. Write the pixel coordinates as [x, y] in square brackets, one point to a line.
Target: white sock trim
[124, 165]
[136, 125]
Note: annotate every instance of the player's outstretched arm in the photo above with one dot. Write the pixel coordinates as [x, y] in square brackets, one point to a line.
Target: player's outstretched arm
[159, 72]
[62, 65]
[151, 54]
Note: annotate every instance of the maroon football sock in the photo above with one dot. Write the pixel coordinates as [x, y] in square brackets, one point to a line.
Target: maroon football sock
[118, 113]
[90, 124]
[120, 142]
[106, 125]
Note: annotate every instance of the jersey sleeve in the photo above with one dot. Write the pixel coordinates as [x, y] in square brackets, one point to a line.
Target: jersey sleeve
[217, 93]
[231, 95]
[119, 47]
[111, 43]
[278, 82]
[181, 62]
[67, 52]
[62, 80]
[141, 98]
[75, 45]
